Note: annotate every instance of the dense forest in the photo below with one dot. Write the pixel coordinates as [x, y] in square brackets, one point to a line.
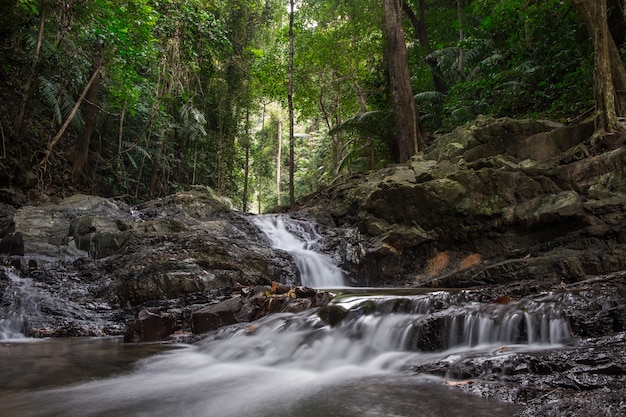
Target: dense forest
[268, 100]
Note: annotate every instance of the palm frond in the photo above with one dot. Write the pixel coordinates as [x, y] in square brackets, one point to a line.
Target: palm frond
[59, 102]
[373, 123]
[527, 67]
[194, 119]
[30, 40]
[49, 92]
[67, 104]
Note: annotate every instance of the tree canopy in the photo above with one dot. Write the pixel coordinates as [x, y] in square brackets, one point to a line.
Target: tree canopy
[140, 98]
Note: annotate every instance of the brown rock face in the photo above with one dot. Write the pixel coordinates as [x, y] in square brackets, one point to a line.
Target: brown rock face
[257, 302]
[150, 327]
[217, 315]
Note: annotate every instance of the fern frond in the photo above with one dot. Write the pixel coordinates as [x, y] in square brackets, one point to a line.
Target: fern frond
[428, 96]
[510, 84]
[132, 160]
[527, 67]
[194, 119]
[143, 152]
[492, 60]
[352, 156]
[59, 102]
[49, 92]
[30, 37]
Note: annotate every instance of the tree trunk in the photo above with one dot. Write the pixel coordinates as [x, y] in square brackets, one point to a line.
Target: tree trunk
[246, 167]
[292, 199]
[30, 81]
[53, 142]
[609, 71]
[260, 169]
[90, 115]
[459, 10]
[279, 157]
[156, 167]
[400, 82]
[420, 35]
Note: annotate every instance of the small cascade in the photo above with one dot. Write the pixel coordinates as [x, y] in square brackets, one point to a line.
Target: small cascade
[386, 331]
[19, 301]
[301, 240]
[528, 322]
[443, 320]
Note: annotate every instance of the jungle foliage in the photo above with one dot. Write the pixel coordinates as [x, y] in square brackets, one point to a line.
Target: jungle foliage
[166, 95]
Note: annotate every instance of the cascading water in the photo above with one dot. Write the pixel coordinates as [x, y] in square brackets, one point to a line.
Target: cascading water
[357, 356]
[301, 239]
[298, 365]
[19, 300]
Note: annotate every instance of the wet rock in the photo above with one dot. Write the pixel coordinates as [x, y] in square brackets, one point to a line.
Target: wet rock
[150, 326]
[332, 314]
[255, 303]
[585, 380]
[218, 315]
[584, 377]
[12, 244]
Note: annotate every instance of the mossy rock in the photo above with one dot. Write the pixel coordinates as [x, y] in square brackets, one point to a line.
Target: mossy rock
[332, 314]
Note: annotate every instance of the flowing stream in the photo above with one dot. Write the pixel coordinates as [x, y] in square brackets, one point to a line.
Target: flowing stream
[354, 358]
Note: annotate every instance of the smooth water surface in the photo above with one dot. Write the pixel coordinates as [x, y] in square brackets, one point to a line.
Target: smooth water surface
[28, 364]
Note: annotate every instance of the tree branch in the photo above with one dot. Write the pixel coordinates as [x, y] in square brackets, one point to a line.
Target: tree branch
[68, 119]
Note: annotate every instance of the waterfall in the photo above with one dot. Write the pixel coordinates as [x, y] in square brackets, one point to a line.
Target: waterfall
[441, 320]
[301, 240]
[19, 301]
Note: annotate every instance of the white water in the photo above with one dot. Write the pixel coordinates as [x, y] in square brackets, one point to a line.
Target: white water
[295, 365]
[20, 301]
[301, 239]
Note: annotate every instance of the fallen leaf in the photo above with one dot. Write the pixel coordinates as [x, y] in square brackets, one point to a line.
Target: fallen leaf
[503, 299]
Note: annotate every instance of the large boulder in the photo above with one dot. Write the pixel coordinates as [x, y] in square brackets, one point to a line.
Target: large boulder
[98, 264]
[497, 199]
[77, 226]
[150, 326]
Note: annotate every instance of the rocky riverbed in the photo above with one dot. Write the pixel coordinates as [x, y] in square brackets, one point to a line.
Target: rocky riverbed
[507, 209]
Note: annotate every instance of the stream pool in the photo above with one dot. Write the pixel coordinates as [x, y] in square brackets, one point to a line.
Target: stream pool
[105, 377]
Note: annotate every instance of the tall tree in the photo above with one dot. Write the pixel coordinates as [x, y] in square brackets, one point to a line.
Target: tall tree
[400, 82]
[279, 158]
[418, 21]
[610, 74]
[81, 149]
[292, 198]
[30, 81]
